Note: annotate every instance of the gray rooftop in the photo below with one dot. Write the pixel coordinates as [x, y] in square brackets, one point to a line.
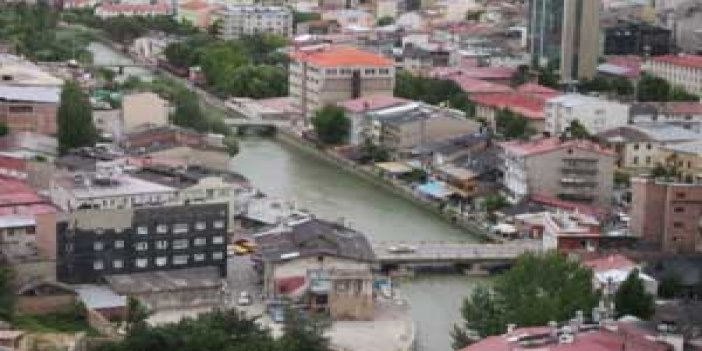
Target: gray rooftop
[659, 132]
[162, 281]
[30, 94]
[100, 296]
[314, 237]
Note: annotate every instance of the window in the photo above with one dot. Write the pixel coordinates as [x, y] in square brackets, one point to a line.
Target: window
[161, 245]
[680, 195]
[679, 209]
[218, 224]
[648, 160]
[200, 242]
[162, 229]
[636, 160]
[217, 240]
[200, 225]
[180, 244]
[161, 261]
[117, 264]
[217, 255]
[180, 228]
[141, 246]
[142, 230]
[384, 71]
[98, 246]
[21, 109]
[141, 262]
[199, 257]
[678, 224]
[180, 259]
[119, 244]
[98, 265]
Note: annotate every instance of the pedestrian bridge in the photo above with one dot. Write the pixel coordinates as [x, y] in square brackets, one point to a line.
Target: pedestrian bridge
[446, 252]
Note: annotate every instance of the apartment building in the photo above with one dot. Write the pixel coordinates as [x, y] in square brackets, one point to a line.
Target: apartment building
[94, 243]
[243, 20]
[326, 75]
[667, 214]
[640, 147]
[634, 38]
[686, 114]
[595, 114]
[409, 127]
[686, 158]
[571, 231]
[679, 70]
[573, 170]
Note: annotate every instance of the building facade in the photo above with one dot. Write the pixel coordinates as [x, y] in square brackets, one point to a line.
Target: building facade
[679, 70]
[575, 170]
[638, 39]
[326, 75]
[667, 214]
[94, 243]
[254, 19]
[595, 114]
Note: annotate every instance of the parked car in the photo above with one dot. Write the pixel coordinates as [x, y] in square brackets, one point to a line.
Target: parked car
[244, 299]
[401, 248]
[246, 243]
[278, 315]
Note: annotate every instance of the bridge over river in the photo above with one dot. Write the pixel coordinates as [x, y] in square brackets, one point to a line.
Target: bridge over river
[395, 253]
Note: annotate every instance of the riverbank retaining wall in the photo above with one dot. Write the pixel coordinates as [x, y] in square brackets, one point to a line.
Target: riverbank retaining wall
[289, 138]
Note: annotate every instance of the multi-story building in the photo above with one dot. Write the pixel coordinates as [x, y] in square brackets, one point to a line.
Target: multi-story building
[685, 158]
[595, 114]
[667, 214]
[679, 70]
[409, 127]
[93, 243]
[574, 170]
[684, 114]
[562, 31]
[238, 21]
[326, 75]
[640, 147]
[634, 38]
[571, 231]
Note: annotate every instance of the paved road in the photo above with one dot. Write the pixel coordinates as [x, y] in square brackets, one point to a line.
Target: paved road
[442, 251]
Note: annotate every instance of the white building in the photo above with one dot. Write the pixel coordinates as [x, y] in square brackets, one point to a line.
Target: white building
[595, 114]
[679, 70]
[249, 20]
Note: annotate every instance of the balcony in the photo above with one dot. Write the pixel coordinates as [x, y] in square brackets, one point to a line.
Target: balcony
[578, 183]
[579, 170]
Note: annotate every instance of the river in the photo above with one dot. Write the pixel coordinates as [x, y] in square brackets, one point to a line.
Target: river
[286, 173]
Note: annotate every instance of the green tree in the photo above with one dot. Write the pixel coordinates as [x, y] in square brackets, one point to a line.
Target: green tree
[481, 313]
[385, 21]
[7, 294]
[521, 75]
[632, 299]
[304, 332]
[4, 129]
[433, 91]
[576, 130]
[511, 125]
[671, 286]
[473, 15]
[371, 153]
[494, 202]
[215, 28]
[539, 288]
[680, 94]
[331, 125]
[652, 88]
[137, 314]
[188, 112]
[75, 121]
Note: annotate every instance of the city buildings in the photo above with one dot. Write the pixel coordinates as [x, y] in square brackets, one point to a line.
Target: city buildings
[639, 147]
[562, 31]
[94, 243]
[528, 106]
[679, 70]
[640, 39]
[254, 19]
[685, 158]
[666, 214]
[685, 114]
[326, 75]
[595, 114]
[573, 170]
[199, 13]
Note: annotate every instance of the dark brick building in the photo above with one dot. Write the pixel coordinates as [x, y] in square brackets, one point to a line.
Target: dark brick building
[95, 243]
[631, 38]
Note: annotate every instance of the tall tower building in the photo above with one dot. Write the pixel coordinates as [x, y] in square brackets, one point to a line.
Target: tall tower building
[565, 32]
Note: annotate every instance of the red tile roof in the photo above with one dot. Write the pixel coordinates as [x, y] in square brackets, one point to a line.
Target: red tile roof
[16, 197]
[334, 56]
[626, 337]
[630, 62]
[372, 102]
[194, 5]
[531, 107]
[537, 89]
[477, 86]
[544, 145]
[609, 262]
[12, 163]
[694, 61]
[692, 108]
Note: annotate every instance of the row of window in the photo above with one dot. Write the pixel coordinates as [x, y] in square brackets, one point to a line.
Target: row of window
[367, 71]
[160, 261]
[178, 244]
[180, 228]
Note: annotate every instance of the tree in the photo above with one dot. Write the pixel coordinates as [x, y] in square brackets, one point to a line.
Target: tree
[385, 21]
[539, 288]
[576, 130]
[215, 28]
[371, 153]
[511, 125]
[75, 121]
[481, 312]
[671, 286]
[188, 113]
[304, 332]
[4, 129]
[678, 93]
[7, 294]
[433, 91]
[632, 299]
[137, 314]
[521, 75]
[494, 202]
[331, 125]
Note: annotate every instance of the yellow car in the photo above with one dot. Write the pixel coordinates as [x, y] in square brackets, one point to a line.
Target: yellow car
[248, 244]
[237, 250]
